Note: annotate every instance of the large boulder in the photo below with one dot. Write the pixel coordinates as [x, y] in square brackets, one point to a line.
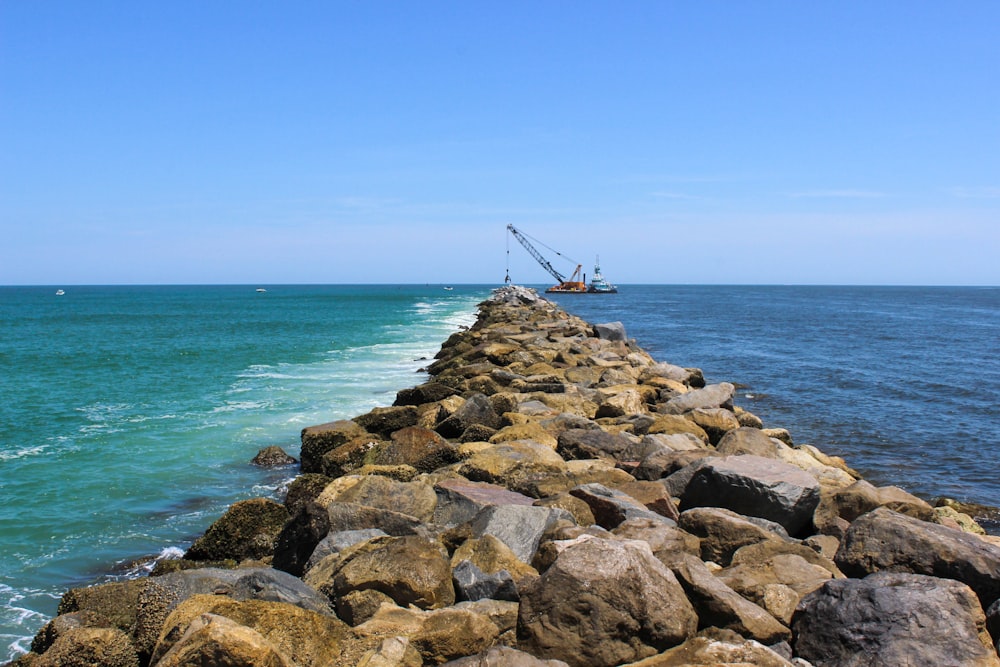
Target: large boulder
[720, 606]
[416, 499]
[386, 421]
[745, 440]
[602, 603]
[476, 411]
[717, 648]
[320, 439]
[211, 639]
[611, 507]
[889, 619]
[300, 636]
[519, 527]
[421, 448]
[755, 486]
[459, 500]
[583, 443]
[248, 529]
[503, 656]
[723, 531]
[886, 540]
[411, 570]
[713, 396]
[89, 646]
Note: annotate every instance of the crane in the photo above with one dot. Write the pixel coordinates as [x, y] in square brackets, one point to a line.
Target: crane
[573, 285]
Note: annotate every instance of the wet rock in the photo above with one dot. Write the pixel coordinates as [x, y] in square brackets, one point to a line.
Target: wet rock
[299, 536]
[248, 529]
[755, 486]
[604, 602]
[113, 602]
[304, 489]
[273, 456]
[353, 516]
[893, 619]
[886, 540]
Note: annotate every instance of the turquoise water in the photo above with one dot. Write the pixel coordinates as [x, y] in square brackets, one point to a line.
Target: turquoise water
[129, 415]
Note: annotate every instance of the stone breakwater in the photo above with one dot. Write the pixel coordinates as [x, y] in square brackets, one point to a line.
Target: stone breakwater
[555, 496]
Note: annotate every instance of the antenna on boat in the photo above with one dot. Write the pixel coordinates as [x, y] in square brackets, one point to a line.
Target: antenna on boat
[507, 279]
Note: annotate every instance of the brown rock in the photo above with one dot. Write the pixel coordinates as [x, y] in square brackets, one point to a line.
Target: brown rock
[385, 421]
[886, 540]
[716, 422]
[320, 439]
[723, 531]
[410, 570]
[273, 456]
[415, 499]
[746, 440]
[216, 640]
[716, 647]
[89, 646]
[604, 603]
[421, 448]
[248, 530]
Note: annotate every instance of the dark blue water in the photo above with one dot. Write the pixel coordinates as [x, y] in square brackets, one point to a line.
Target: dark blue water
[903, 382]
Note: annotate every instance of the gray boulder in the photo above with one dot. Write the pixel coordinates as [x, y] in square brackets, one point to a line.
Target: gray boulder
[580, 443]
[611, 507]
[520, 527]
[472, 584]
[610, 331]
[890, 619]
[886, 540]
[459, 500]
[756, 486]
[713, 396]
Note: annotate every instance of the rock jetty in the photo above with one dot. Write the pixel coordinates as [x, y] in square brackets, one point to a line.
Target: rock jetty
[555, 496]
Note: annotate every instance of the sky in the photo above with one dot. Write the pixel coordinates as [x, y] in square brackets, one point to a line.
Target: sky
[256, 142]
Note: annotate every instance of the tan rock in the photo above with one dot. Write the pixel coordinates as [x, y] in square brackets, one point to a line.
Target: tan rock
[88, 646]
[527, 431]
[673, 424]
[491, 555]
[216, 640]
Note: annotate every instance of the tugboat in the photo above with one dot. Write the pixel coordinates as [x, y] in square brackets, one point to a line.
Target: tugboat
[598, 285]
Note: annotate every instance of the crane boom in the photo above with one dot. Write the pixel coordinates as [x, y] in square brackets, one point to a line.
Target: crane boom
[534, 253]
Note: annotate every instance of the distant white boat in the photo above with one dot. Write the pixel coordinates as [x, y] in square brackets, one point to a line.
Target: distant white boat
[449, 288]
[60, 292]
[261, 289]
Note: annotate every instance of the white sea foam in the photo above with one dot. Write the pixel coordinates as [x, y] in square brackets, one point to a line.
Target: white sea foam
[23, 452]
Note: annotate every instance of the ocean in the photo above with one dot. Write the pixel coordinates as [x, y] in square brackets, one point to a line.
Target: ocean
[129, 415]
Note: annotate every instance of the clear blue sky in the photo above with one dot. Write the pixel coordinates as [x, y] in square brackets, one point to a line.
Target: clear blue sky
[354, 142]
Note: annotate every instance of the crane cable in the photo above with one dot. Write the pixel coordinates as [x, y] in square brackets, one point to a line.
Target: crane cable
[547, 247]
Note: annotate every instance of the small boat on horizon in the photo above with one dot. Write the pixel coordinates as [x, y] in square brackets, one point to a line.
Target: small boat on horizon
[261, 289]
[60, 292]
[449, 288]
